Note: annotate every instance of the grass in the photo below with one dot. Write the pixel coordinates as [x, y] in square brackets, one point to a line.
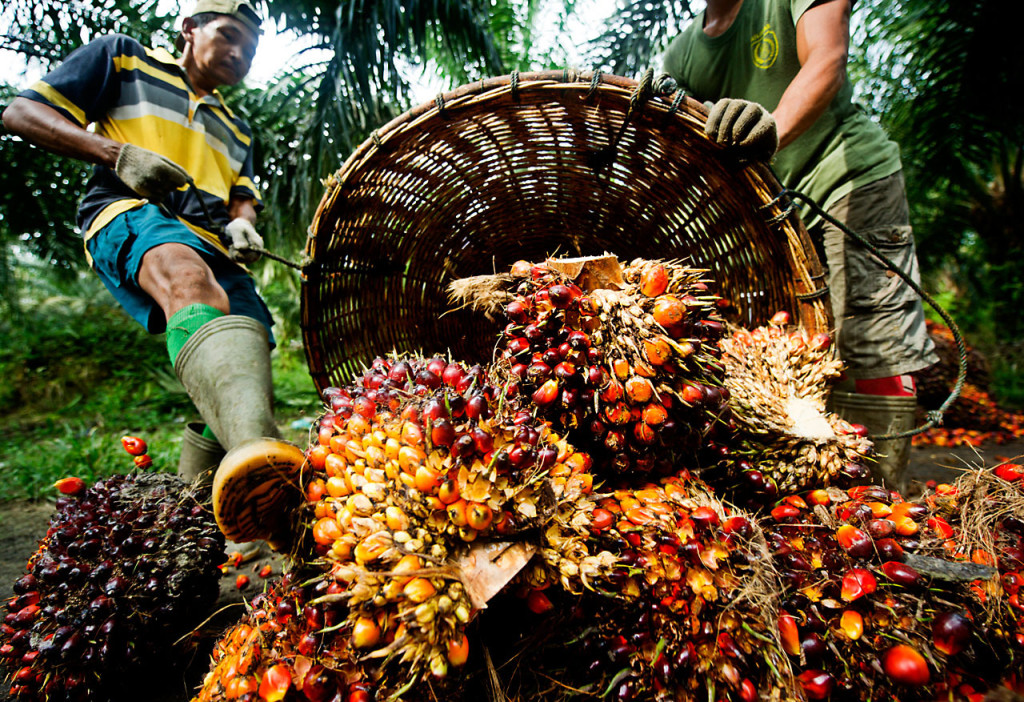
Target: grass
[79, 374]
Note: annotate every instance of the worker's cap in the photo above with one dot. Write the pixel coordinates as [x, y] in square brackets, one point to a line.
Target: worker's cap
[241, 10]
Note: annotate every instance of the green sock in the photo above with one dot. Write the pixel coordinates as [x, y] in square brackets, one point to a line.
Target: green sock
[184, 323]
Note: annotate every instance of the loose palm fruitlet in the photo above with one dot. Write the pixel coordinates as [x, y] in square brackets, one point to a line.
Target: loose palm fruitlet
[673, 593]
[876, 603]
[127, 566]
[622, 359]
[783, 440]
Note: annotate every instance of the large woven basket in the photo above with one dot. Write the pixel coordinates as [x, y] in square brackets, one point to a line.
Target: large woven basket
[523, 167]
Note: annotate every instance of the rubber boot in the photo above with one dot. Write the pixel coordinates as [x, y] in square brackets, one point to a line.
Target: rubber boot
[200, 457]
[225, 368]
[882, 414]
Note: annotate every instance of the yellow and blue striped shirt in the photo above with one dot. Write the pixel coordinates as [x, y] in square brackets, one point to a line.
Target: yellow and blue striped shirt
[141, 96]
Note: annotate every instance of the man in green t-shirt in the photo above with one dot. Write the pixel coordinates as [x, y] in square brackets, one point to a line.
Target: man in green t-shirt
[749, 57]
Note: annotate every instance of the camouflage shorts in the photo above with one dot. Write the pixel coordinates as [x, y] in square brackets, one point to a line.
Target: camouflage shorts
[879, 319]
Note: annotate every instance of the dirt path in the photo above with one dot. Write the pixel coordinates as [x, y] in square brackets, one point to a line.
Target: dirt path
[23, 524]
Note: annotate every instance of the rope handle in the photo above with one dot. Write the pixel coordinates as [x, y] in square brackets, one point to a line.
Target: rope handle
[934, 417]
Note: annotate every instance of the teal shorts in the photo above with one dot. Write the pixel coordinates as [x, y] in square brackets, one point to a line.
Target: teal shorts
[117, 252]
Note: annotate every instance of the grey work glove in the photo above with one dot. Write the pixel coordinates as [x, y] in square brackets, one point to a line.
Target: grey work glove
[745, 127]
[148, 173]
[242, 240]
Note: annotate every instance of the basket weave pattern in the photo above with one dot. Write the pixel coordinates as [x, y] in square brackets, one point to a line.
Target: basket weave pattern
[524, 167]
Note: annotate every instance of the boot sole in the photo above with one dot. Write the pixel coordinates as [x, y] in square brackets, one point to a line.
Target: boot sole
[254, 489]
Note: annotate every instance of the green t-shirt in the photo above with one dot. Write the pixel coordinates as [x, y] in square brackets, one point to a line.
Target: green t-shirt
[756, 59]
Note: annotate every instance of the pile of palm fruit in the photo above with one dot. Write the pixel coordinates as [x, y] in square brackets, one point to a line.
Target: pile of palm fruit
[633, 501]
[974, 418]
[625, 505]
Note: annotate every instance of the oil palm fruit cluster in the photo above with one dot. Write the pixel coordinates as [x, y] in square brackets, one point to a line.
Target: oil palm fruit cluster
[673, 595]
[875, 604]
[410, 467]
[783, 438]
[624, 359]
[127, 566]
[277, 652]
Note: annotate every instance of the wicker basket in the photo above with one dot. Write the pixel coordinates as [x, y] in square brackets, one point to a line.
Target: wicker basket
[523, 167]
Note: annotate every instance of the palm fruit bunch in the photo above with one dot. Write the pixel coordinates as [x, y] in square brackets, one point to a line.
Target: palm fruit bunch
[783, 439]
[674, 596]
[410, 467]
[622, 359]
[127, 566]
[875, 603]
[277, 652]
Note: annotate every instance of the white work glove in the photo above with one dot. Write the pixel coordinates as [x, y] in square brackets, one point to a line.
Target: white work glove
[148, 173]
[745, 127]
[242, 240]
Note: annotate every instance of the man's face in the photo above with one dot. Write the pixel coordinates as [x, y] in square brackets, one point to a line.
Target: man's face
[222, 50]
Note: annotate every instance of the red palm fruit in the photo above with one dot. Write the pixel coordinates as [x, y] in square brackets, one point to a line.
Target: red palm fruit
[546, 393]
[857, 543]
[134, 445]
[538, 602]
[817, 684]
[458, 651]
[644, 433]
[518, 311]
[601, 519]
[70, 485]
[242, 581]
[889, 550]
[940, 527]
[820, 341]
[852, 624]
[442, 433]
[704, 517]
[143, 462]
[452, 374]
[789, 633]
[951, 632]
[785, 513]
[639, 390]
[692, 394]
[668, 311]
[906, 666]
[856, 583]
[779, 319]
[654, 414]
[881, 528]
[277, 680]
[654, 281]
[479, 516]
[1010, 472]
[657, 350]
[748, 691]
[737, 525]
[901, 573]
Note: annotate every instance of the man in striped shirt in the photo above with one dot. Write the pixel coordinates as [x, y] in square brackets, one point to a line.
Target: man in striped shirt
[168, 219]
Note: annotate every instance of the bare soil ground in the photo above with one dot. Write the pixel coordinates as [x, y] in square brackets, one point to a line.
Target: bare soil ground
[22, 524]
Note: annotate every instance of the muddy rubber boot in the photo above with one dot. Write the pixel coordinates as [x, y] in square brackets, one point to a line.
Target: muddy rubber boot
[199, 458]
[225, 368]
[882, 414]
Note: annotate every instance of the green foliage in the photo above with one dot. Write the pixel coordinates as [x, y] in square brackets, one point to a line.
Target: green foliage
[636, 32]
[945, 80]
[79, 374]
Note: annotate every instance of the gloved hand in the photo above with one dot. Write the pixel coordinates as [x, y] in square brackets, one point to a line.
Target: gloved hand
[242, 240]
[747, 127]
[148, 173]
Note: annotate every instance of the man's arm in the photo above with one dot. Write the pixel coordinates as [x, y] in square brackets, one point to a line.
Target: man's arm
[242, 207]
[822, 45]
[47, 128]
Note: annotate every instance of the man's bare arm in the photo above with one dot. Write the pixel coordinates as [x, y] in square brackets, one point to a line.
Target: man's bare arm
[47, 128]
[822, 43]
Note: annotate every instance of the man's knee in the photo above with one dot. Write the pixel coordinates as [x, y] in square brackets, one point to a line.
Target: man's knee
[175, 275]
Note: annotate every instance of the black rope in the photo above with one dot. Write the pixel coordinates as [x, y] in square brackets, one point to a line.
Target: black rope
[595, 80]
[934, 418]
[439, 102]
[514, 83]
[637, 99]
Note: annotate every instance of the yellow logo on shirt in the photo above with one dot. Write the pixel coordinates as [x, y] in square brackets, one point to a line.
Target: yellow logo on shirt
[765, 46]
